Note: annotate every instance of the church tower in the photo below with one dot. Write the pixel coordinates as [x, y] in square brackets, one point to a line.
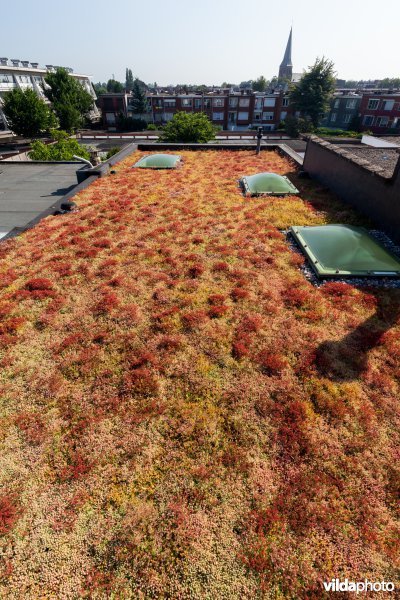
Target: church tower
[286, 68]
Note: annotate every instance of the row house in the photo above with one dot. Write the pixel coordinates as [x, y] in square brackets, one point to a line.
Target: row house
[229, 110]
[344, 111]
[380, 112]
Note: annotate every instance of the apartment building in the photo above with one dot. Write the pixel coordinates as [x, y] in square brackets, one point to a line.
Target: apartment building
[380, 112]
[22, 74]
[229, 109]
[344, 111]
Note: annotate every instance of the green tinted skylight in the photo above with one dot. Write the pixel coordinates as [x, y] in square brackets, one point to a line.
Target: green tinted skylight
[343, 250]
[158, 161]
[267, 183]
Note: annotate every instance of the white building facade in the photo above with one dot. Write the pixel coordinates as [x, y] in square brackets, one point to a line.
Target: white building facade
[21, 74]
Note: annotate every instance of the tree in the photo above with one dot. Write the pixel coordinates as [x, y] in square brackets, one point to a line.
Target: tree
[260, 84]
[388, 82]
[26, 113]
[129, 80]
[100, 88]
[70, 101]
[63, 149]
[312, 94]
[294, 126]
[139, 101]
[189, 127]
[114, 86]
[130, 124]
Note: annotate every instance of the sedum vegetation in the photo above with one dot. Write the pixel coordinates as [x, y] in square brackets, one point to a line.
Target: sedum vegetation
[182, 414]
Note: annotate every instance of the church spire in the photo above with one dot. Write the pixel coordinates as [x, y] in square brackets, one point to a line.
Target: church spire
[286, 67]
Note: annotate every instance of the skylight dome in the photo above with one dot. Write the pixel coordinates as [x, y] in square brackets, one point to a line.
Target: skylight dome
[345, 251]
[158, 161]
[267, 183]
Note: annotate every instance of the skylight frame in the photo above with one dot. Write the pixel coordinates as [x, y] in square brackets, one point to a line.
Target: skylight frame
[176, 163]
[324, 272]
[247, 188]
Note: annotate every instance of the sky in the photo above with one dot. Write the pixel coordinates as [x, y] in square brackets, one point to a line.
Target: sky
[203, 41]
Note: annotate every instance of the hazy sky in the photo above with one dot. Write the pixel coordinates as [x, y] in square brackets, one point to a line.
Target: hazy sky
[203, 41]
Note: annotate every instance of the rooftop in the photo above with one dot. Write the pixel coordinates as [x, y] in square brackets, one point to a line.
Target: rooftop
[383, 158]
[29, 189]
[184, 414]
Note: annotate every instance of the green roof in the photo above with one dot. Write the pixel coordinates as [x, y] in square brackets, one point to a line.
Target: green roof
[158, 161]
[343, 250]
[267, 183]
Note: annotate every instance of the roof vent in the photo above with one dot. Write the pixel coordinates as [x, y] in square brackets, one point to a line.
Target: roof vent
[15, 62]
[270, 184]
[158, 161]
[4, 61]
[34, 65]
[345, 251]
[25, 63]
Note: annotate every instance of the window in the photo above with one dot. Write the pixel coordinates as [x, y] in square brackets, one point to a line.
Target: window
[110, 118]
[336, 104]
[186, 102]
[368, 120]
[207, 102]
[388, 105]
[268, 116]
[169, 102]
[285, 102]
[243, 116]
[168, 116]
[233, 102]
[257, 115]
[232, 116]
[373, 104]
[396, 122]
[157, 102]
[218, 102]
[197, 103]
[269, 102]
[333, 117]
[351, 103]
[347, 118]
[244, 102]
[218, 116]
[283, 115]
[382, 121]
[258, 104]
[5, 78]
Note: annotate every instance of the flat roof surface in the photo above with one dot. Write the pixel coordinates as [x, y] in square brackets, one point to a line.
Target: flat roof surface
[182, 413]
[385, 158]
[26, 190]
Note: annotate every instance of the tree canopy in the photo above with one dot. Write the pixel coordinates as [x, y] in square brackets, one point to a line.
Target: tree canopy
[26, 113]
[189, 127]
[312, 94]
[70, 101]
[139, 102]
[260, 84]
[114, 86]
[129, 80]
[63, 149]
